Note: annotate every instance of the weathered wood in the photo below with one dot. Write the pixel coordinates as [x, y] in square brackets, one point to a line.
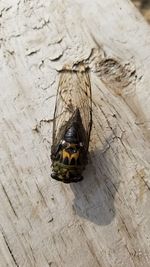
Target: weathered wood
[105, 219]
[144, 7]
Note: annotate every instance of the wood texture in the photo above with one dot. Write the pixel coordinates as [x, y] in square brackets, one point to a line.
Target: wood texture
[105, 219]
[144, 7]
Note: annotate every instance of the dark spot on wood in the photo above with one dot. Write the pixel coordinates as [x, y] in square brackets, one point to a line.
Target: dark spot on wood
[114, 115]
[36, 129]
[50, 220]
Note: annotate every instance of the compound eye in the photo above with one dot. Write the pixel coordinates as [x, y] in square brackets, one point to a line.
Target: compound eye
[63, 142]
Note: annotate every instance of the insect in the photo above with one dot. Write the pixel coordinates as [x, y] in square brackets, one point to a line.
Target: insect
[72, 125]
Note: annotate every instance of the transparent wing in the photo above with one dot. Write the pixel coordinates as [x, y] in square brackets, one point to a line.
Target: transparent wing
[74, 91]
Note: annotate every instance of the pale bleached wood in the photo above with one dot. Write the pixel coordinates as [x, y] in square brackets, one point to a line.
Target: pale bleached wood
[105, 219]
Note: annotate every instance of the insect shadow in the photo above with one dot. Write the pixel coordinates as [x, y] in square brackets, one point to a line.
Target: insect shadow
[95, 195]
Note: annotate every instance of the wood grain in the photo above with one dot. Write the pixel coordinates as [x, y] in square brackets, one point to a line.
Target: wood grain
[105, 219]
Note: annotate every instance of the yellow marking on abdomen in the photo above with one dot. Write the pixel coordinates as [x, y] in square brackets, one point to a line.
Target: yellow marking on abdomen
[75, 155]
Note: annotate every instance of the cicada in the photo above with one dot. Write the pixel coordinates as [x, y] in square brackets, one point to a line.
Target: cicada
[71, 125]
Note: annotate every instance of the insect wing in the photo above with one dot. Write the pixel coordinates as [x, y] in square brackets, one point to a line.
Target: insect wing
[74, 91]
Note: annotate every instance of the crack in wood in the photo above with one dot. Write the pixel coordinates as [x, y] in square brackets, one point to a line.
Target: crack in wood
[10, 250]
[32, 52]
[10, 203]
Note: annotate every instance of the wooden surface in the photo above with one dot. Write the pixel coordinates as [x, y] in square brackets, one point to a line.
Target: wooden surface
[105, 219]
[144, 7]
